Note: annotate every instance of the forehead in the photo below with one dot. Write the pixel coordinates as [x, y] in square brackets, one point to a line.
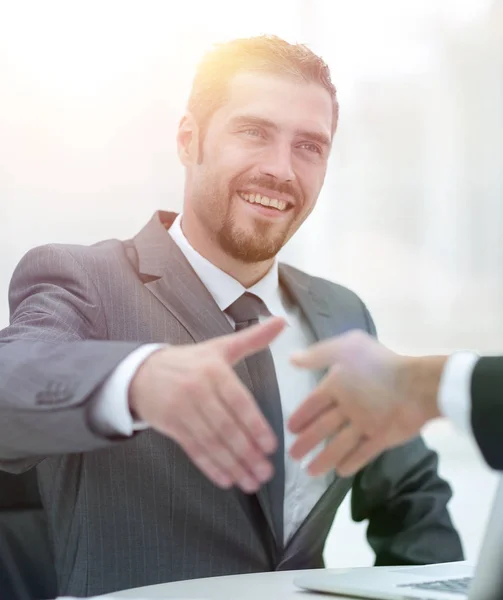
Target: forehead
[288, 102]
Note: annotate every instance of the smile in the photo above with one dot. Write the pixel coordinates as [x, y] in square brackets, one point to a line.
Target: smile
[280, 205]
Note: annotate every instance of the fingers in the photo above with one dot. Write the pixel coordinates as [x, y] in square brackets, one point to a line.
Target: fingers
[237, 346]
[337, 349]
[237, 420]
[318, 356]
[243, 407]
[221, 415]
[204, 444]
[327, 424]
[199, 455]
[233, 448]
[345, 442]
[323, 397]
[365, 452]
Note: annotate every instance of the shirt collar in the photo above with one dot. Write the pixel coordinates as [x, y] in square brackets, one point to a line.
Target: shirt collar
[224, 288]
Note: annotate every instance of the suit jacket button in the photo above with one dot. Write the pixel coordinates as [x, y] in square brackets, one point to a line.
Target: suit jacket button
[56, 392]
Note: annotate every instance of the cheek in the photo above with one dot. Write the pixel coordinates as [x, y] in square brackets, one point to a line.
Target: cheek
[211, 177]
[225, 172]
[311, 181]
[240, 166]
[227, 152]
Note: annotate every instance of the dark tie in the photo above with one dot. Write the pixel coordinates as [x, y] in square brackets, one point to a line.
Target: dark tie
[245, 312]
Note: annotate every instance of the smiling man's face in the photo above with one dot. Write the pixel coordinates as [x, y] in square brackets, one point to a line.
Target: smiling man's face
[262, 165]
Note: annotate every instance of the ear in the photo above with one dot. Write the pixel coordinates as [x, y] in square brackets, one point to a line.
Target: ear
[187, 140]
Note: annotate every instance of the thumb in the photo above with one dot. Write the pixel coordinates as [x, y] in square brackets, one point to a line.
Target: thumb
[244, 343]
[318, 356]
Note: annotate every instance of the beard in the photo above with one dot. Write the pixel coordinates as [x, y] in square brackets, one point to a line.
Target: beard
[255, 246]
[260, 240]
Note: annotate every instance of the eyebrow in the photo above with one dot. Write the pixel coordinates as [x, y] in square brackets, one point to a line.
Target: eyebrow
[314, 136]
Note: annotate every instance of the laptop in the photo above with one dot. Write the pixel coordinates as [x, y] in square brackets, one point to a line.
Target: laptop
[447, 581]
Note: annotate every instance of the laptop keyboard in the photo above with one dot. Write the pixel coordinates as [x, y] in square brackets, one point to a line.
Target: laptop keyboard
[454, 586]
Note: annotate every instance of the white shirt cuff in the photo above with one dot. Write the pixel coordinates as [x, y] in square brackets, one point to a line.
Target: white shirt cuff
[110, 412]
[454, 394]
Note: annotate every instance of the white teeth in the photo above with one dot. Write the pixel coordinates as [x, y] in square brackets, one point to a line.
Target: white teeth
[265, 201]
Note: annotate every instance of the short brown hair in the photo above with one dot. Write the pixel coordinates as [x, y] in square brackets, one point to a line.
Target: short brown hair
[266, 53]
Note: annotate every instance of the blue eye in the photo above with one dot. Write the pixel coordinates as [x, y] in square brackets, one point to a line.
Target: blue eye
[252, 132]
[311, 147]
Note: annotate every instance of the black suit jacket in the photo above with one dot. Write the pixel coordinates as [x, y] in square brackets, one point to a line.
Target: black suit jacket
[487, 408]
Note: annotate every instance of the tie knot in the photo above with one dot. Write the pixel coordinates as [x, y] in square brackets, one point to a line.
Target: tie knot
[245, 310]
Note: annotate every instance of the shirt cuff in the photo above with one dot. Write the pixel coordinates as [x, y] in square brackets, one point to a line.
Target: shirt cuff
[110, 414]
[454, 394]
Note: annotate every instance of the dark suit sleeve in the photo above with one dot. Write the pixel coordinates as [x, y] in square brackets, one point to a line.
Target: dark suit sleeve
[487, 409]
[405, 502]
[52, 359]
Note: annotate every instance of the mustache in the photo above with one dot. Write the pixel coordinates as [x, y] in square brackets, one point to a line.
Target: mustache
[269, 183]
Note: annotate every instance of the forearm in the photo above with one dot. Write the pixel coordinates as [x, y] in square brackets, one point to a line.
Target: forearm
[46, 391]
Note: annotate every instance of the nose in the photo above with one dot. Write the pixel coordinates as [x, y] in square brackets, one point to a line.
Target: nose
[277, 163]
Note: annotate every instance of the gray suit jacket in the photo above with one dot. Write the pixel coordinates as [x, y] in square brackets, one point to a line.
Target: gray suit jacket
[131, 512]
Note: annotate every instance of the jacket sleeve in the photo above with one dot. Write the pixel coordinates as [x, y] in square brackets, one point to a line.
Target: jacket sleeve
[53, 359]
[487, 409]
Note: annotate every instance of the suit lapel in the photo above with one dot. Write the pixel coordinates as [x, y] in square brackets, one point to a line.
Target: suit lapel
[313, 305]
[311, 535]
[175, 284]
[325, 322]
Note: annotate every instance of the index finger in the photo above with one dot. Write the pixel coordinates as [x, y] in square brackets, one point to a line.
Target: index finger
[318, 356]
[237, 346]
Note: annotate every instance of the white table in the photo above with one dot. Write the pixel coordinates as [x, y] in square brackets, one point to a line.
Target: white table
[257, 586]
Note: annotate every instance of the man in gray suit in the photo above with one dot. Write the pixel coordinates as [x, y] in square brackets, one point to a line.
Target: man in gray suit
[157, 460]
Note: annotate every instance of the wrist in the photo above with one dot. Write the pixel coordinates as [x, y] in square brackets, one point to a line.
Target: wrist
[138, 385]
[134, 392]
[420, 380]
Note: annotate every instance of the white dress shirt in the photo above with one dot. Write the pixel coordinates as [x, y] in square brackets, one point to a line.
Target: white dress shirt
[454, 394]
[110, 411]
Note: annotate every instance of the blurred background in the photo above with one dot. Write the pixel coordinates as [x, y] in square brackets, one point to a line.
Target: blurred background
[411, 215]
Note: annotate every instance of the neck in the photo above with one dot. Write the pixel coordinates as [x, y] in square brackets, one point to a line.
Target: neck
[246, 273]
